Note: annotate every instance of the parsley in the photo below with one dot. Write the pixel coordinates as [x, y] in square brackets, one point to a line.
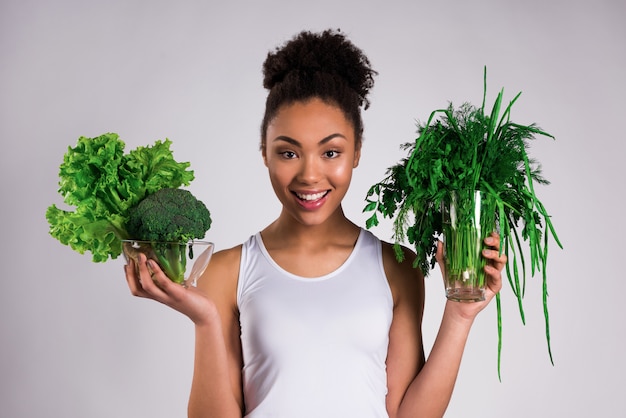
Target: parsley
[461, 149]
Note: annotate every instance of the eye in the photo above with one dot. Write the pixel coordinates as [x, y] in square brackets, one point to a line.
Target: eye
[288, 155]
[331, 153]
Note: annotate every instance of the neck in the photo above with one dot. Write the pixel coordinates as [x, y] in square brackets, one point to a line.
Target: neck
[288, 231]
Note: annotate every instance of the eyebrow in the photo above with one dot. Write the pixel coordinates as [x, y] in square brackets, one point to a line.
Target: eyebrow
[298, 144]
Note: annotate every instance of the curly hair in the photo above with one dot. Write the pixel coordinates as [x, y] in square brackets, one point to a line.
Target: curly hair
[322, 65]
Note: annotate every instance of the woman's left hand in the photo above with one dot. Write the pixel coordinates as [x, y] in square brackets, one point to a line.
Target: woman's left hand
[493, 271]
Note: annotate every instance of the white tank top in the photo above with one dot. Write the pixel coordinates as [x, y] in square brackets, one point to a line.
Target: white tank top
[315, 347]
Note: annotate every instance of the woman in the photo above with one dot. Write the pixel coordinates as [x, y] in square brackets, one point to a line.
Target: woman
[313, 316]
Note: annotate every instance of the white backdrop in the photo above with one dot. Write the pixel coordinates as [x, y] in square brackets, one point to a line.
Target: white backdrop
[74, 342]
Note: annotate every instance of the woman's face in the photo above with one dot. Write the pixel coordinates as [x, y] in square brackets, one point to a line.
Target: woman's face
[310, 153]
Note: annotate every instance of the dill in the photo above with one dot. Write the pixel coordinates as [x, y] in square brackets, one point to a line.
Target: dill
[466, 149]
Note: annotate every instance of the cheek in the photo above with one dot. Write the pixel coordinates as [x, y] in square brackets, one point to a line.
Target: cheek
[279, 177]
[342, 174]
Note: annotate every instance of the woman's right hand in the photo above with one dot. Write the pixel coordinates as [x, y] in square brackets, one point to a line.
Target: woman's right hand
[152, 283]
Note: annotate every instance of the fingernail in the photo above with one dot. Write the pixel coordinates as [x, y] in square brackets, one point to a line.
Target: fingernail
[489, 240]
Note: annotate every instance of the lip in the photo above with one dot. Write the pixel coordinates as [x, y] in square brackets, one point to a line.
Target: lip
[311, 201]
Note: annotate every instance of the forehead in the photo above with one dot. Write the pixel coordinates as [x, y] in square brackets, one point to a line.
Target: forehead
[313, 119]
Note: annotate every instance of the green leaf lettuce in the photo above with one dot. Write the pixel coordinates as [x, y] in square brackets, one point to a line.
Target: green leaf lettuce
[103, 183]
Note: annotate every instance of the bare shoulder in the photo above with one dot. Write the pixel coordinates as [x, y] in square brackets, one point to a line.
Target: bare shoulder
[404, 279]
[219, 280]
[227, 259]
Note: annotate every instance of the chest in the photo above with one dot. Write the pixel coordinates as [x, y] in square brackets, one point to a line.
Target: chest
[282, 317]
[311, 263]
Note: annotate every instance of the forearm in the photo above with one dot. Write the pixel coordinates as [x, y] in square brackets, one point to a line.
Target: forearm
[430, 392]
[213, 392]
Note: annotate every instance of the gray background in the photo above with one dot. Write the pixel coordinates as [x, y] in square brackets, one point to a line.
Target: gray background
[75, 343]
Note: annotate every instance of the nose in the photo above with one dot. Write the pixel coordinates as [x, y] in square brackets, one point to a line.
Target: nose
[310, 171]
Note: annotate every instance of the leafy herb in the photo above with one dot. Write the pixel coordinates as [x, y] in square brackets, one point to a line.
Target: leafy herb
[466, 148]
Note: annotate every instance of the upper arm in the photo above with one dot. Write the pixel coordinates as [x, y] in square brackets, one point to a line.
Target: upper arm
[219, 282]
[405, 357]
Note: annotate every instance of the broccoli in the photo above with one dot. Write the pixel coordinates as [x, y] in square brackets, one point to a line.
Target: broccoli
[169, 218]
[103, 182]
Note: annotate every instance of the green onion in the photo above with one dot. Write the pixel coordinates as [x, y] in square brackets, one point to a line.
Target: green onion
[465, 149]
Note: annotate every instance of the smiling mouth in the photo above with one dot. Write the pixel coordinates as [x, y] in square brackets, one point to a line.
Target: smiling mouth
[310, 197]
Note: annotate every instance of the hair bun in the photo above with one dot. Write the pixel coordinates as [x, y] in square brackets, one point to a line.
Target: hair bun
[328, 52]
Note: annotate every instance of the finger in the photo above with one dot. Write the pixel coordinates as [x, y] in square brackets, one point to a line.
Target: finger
[496, 259]
[150, 277]
[159, 278]
[439, 258]
[493, 240]
[494, 281]
[132, 279]
[439, 252]
[493, 253]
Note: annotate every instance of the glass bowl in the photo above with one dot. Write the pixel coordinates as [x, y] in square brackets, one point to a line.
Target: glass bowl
[182, 262]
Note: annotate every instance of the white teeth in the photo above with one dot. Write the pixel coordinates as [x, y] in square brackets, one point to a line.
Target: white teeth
[311, 197]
